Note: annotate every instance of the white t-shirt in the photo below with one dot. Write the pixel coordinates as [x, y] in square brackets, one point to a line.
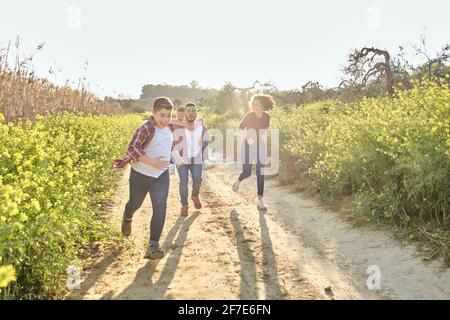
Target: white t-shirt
[194, 141]
[159, 148]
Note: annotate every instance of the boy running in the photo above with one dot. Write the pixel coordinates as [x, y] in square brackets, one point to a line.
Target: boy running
[149, 155]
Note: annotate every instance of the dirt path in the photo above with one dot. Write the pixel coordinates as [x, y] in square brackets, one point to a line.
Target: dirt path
[230, 250]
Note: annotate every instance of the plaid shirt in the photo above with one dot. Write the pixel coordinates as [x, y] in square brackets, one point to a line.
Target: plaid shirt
[141, 138]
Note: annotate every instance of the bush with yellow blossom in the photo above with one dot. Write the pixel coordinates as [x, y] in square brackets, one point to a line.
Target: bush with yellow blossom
[53, 173]
[389, 156]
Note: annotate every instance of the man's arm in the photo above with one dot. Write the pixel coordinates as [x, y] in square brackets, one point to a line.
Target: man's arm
[178, 123]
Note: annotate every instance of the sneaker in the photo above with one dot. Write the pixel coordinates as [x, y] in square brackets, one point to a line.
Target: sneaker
[154, 252]
[261, 204]
[126, 227]
[236, 185]
[207, 165]
[197, 203]
[184, 211]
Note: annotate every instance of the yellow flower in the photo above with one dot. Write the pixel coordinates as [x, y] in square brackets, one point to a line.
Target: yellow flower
[7, 275]
[34, 204]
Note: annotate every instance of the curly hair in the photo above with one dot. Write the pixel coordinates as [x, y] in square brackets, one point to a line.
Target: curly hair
[267, 101]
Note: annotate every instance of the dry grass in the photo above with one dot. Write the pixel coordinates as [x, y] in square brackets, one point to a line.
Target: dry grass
[23, 95]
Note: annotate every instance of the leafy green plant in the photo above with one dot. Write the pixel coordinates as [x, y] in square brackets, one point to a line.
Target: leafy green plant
[54, 172]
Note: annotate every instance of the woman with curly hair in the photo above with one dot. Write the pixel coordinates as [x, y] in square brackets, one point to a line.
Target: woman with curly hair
[253, 129]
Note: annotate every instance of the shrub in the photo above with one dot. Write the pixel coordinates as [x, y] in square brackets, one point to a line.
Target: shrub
[53, 174]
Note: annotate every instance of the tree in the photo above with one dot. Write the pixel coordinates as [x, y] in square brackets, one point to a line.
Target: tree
[434, 64]
[194, 84]
[368, 64]
[226, 99]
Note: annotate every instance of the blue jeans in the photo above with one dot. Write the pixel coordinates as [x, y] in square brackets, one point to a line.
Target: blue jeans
[158, 188]
[247, 172]
[197, 177]
[247, 169]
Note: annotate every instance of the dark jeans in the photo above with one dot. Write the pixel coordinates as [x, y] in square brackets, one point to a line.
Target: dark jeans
[247, 170]
[197, 173]
[158, 188]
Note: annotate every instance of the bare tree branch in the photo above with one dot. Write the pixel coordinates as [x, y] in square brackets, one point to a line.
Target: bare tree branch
[360, 59]
[267, 84]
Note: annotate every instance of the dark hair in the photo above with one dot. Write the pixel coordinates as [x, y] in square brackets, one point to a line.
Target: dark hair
[162, 103]
[190, 104]
[180, 109]
[266, 100]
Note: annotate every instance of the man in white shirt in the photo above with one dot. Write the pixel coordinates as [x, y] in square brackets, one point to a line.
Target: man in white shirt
[188, 153]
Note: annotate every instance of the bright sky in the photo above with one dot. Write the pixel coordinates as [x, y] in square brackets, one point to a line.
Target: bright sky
[131, 43]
